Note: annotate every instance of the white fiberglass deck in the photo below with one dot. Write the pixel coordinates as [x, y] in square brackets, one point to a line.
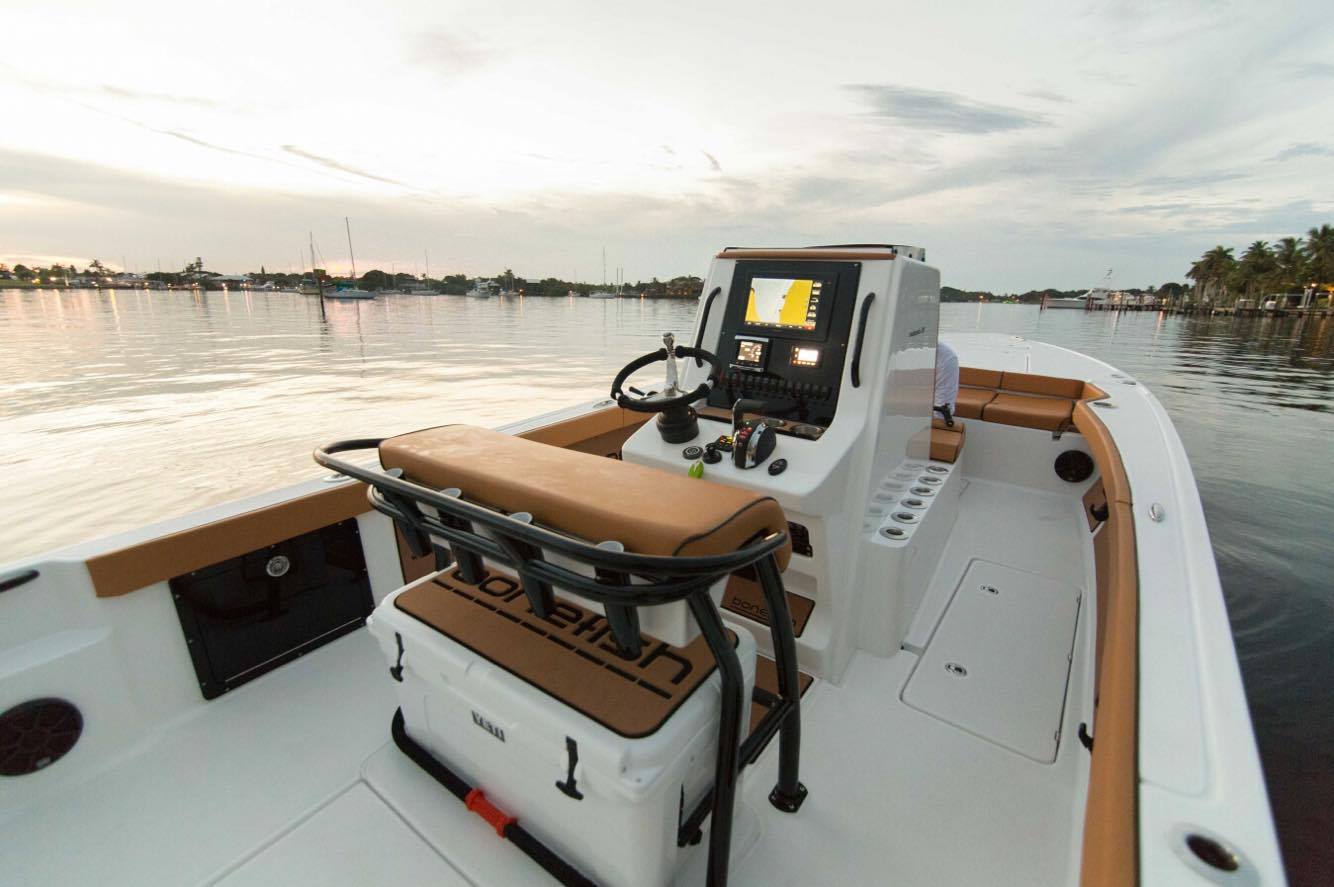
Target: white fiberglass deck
[293, 778]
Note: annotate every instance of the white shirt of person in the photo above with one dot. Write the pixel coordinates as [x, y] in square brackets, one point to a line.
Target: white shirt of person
[947, 377]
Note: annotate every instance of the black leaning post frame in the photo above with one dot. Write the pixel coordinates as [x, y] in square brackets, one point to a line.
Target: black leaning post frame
[519, 543]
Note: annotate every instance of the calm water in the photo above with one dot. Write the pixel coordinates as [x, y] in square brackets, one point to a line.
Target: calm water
[151, 405]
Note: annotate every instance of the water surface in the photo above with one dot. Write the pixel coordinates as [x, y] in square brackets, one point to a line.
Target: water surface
[121, 408]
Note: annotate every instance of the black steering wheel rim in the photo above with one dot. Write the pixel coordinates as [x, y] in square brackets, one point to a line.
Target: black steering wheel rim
[644, 405]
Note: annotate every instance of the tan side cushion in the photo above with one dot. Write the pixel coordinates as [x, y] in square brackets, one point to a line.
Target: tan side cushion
[1105, 453]
[1047, 413]
[980, 378]
[970, 402]
[1109, 853]
[946, 442]
[587, 496]
[1047, 386]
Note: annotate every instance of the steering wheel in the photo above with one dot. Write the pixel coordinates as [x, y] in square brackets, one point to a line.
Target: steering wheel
[664, 401]
[677, 420]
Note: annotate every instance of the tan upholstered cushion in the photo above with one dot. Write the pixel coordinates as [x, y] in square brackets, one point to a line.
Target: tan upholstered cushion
[979, 378]
[587, 496]
[1047, 386]
[1047, 413]
[947, 442]
[971, 401]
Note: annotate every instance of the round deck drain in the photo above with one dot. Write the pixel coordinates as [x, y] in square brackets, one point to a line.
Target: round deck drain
[956, 669]
[989, 589]
[922, 491]
[892, 533]
[905, 517]
[36, 734]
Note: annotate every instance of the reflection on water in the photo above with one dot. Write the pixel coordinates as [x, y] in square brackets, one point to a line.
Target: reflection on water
[153, 404]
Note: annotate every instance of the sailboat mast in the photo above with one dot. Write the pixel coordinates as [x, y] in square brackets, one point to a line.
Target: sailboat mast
[348, 226]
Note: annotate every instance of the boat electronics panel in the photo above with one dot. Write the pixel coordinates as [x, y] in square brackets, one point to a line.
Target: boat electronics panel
[784, 339]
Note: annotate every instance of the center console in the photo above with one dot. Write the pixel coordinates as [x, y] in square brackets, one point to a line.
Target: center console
[784, 338]
[825, 383]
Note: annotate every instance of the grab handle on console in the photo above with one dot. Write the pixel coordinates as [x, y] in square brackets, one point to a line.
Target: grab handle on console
[861, 336]
[704, 321]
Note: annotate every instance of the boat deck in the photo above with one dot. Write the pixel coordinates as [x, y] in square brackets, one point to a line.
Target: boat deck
[293, 778]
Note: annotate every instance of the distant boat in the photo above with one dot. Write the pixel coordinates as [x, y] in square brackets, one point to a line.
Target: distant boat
[601, 294]
[481, 289]
[349, 293]
[354, 291]
[1085, 301]
[308, 289]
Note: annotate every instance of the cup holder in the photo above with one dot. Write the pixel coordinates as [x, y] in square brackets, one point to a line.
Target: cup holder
[893, 533]
[916, 504]
[929, 481]
[905, 517]
[938, 469]
[922, 491]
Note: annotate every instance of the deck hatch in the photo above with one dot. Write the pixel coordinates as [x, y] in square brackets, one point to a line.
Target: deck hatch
[998, 664]
[250, 614]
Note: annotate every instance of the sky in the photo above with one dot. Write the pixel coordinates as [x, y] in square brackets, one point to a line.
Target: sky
[1024, 145]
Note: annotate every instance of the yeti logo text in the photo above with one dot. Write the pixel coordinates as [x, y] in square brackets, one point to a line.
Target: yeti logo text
[488, 726]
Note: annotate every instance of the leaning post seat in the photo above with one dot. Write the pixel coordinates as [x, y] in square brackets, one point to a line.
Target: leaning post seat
[607, 743]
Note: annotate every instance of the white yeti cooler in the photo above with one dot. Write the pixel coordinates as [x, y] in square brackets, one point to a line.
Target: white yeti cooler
[505, 700]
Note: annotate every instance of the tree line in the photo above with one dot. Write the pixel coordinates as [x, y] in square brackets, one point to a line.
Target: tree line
[1292, 265]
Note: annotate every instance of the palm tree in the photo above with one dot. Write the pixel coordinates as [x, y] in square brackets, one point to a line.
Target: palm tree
[1212, 272]
[1291, 265]
[1255, 268]
[1320, 253]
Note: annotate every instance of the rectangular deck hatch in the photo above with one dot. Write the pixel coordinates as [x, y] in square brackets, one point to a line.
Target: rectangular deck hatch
[998, 664]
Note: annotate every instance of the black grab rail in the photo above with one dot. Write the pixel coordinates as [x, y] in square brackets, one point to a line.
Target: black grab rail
[519, 544]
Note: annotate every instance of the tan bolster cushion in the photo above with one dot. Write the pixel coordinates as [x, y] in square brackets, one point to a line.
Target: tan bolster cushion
[1105, 453]
[970, 402]
[979, 378]
[587, 496]
[946, 444]
[1047, 386]
[1047, 413]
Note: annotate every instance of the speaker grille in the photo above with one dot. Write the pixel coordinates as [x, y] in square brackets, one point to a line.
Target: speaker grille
[37, 733]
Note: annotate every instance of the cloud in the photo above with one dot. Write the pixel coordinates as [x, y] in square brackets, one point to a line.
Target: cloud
[328, 163]
[1303, 149]
[1191, 180]
[452, 55]
[1047, 96]
[1314, 70]
[197, 141]
[121, 92]
[713, 161]
[940, 111]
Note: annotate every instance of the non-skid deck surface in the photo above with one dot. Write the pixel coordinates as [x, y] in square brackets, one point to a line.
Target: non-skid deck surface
[745, 598]
[998, 663]
[570, 655]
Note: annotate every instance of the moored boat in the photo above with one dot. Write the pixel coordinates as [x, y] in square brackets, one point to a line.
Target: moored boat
[798, 630]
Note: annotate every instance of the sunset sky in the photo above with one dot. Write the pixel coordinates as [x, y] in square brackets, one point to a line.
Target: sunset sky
[1023, 145]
